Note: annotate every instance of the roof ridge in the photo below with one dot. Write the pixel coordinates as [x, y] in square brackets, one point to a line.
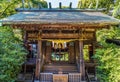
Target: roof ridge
[58, 10]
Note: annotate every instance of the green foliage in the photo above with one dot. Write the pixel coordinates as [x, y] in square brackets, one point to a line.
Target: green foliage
[86, 53]
[7, 8]
[37, 3]
[108, 57]
[108, 67]
[95, 4]
[12, 55]
[116, 12]
[12, 52]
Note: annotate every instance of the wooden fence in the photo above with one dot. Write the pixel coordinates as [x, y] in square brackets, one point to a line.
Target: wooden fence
[48, 77]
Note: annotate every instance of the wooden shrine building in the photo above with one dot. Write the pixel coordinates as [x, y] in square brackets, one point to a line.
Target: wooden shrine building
[60, 36]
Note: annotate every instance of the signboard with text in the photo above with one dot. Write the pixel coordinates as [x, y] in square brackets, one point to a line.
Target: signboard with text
[60, 78]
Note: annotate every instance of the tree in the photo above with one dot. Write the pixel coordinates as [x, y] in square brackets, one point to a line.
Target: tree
[94, 4]
[12, 55]
[39, 3]
[116, 12]
[12, 52]
[108, 56]
[9, 9]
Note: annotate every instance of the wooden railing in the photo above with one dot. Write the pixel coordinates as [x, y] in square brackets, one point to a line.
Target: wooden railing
[46, 77]
[74, 77]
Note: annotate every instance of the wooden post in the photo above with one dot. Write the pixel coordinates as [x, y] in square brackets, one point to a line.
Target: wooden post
[25, 37]
[60, 5]
[48, 52]
[82, 65]
[71, 53]
[38, 60]
[70, 6]
[50, 6]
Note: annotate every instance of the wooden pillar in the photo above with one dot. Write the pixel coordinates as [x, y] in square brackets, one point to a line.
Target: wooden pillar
[82, 65]
[25, 37]
[48, 52]
[77, 55]
[75, 52]
[43, 48]
[38, 60]
[71, 52]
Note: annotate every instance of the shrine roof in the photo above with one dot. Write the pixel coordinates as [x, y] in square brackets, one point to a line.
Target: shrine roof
[61, 17]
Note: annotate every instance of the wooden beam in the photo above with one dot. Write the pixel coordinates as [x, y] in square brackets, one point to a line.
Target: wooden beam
[82, 64]
[58, 26]
[63, 36]
[57, 35]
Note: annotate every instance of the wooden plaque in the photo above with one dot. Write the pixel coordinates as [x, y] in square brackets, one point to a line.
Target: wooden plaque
[60, 78]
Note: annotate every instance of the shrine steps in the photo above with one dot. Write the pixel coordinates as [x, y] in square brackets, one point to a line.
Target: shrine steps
[63, 68]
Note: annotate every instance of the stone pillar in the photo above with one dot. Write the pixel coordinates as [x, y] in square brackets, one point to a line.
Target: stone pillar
[38, 60]
[82, 64]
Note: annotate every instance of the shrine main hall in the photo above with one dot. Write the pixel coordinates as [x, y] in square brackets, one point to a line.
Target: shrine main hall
[57, 39]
